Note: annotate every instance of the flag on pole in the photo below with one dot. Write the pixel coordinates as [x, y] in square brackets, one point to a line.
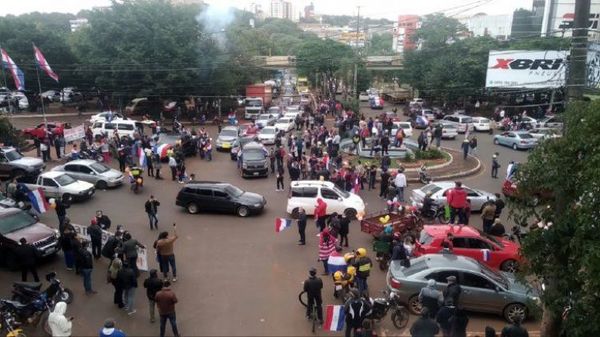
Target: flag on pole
[38, 200]
[43, 64]
[142, 157]
[334, 318]
[14, 70]
[282, 223]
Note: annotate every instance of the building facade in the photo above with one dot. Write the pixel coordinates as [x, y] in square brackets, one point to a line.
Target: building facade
[404, 31]
[284, 10]
[496, 26]
[558, 17]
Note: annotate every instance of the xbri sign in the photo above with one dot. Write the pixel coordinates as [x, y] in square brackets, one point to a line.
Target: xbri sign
[526, 69]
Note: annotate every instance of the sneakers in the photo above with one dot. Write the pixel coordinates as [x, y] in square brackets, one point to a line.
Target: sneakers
[174, 279]
[131, 312]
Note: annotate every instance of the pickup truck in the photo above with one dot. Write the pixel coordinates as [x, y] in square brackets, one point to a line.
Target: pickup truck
[14, 164]
[59, 185]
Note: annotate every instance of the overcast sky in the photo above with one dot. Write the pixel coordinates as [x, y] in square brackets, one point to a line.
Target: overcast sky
[371, 8]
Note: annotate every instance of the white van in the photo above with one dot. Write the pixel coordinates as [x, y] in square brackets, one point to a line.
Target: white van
[123, 127]
[462, 122]
[304, 193]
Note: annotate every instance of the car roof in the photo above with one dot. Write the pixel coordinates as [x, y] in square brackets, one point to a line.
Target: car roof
[81, 162]
[234, 128]
[9, 210]
[479, 117]
[443, 184]
[207, 183]
[449, 261]
[314, 183]
[441, 230]
[7, 148]
[52, 174]
[268, 127]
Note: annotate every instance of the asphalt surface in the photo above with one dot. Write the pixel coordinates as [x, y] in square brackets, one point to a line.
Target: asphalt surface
[236, 276]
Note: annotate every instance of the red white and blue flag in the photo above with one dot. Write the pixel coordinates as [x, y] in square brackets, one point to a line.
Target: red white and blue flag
[486, 254]
[334, 318]
[282, 223]
[336, 262]
[162, 149]
[11, 66]
[43, 64]
[142, 157]
[38, 200]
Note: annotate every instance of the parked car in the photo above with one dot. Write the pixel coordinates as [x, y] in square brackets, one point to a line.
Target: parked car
[495, 252]
[123, 127]
[416, 102]
[70, 95]
[16, 224]
[363, 96]
[138, 106]
[517, 140]
[439, 189]
[545, 133]
[39, 131]
[555, 121]
[267, 135]
[51, 96]
[59, 185]
[462, 122]
[304, 193]
[482, 124]
[99, 174]
[23, 101]
[286, 124]
[197, 196]
[239, 144]
[429, 114]
[265, 120]
[227, 137]
[14, 164]
[483, 289]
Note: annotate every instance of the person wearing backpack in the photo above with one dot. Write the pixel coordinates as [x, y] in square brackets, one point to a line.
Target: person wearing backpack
[112, 246]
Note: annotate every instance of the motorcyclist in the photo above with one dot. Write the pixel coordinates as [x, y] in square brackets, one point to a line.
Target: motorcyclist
[363, 265]
[399, 252]
[428, 203]
[356, 309]
[313, 286]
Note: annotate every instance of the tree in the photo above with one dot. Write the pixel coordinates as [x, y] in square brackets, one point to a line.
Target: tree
[381, 44]
[522, 24]
[438, 31]
[565, 254]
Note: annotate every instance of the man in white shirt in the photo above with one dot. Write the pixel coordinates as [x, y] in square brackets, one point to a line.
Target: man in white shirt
[400, 182]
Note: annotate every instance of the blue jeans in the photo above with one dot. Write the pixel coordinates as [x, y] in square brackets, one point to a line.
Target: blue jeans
[163, 322]
[69, 258]
[362, 285]
[400, 192]
[165, 261]
[129, 295]
[153, 220]
[87, 279]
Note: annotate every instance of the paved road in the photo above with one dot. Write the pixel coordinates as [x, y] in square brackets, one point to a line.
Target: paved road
[236, 276]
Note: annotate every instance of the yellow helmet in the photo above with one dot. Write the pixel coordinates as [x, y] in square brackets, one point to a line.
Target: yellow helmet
[361, 252]
[337, 276]
[348, 257]
[351, 270]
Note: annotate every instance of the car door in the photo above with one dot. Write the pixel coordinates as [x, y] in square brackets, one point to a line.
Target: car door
[461, 247]
[511, 138]
[335, 203]
[222, 201]
[86, 174]
[203, 197]
[51, 188]
[476, 199]
[485, 252]
[480, 294]
[73, 170]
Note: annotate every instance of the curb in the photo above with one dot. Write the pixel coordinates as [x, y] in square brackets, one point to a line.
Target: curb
[435, 167]
[455, 175]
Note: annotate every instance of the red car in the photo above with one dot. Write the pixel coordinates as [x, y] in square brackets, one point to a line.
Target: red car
[56, 128]
[496, 252]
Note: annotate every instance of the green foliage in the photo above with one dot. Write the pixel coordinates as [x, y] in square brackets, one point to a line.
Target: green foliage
[430, 154]
[381, 44]
[9, 135]
[437, 30]
[566, 254]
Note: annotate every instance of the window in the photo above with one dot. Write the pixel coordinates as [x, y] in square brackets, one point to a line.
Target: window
[204, 192]
[85, 169]
[304, 192]
[109, 126]
[72, 168]
[3, 158]
[329, 194]
[476, 281]
[221, 194]
[126, 127]
[97, 125]
[479, 244]
[49, 182]
[441, 276]
[460, 243]
[472, 193]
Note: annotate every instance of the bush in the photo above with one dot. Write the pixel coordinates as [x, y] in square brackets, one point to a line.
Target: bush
[429, 154]
[9, 135]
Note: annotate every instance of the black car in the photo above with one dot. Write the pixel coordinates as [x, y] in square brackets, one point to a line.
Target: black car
[189, 144]
[219, 197]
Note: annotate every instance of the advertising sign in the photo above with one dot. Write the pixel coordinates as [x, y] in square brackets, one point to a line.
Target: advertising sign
[593, 66]
[75, 133]
[558, 19]
[526, 68]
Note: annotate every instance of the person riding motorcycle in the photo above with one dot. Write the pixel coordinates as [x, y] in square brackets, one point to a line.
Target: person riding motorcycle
[428, 204]
[136, 178]
[343, 281]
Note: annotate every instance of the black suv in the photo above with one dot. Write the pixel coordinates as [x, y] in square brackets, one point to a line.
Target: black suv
[220, 197]
[255, 161]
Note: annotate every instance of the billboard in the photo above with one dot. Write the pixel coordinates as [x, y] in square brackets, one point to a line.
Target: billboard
[559, 15]
[593, 66]
[526, 69]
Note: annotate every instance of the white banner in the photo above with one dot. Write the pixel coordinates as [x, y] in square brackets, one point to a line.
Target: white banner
[75, 133]
[142, 261]
[526, 68]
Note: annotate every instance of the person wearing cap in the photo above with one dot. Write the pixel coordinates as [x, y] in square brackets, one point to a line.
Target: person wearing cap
[313, 286]
[109, 330]
[363, 265]
[431, 298]
[95, 232]
[452, 291]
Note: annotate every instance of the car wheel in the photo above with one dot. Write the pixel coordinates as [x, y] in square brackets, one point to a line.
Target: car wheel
[101, 185]
[295, 213]
[192, 208]
[510, 266]
[350, 213]
[243, 211]
[414, 305]
[514, 311]
[514, 147]
[496, 141]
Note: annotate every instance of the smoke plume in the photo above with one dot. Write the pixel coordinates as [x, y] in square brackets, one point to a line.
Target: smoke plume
[215, 18]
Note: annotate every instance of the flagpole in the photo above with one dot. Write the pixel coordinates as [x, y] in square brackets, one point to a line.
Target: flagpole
[37, 72]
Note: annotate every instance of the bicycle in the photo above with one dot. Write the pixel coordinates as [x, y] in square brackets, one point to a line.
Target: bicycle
[313, 313]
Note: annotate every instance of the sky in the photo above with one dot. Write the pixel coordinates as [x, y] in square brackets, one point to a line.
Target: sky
[389, 9]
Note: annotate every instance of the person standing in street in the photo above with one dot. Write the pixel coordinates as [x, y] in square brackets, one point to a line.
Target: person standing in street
[313, 287]
[109, 330]
[488, 214]
[344, 229]
[444, 316]
[165, 301]
[127, 281]
[473, 146]
[151, 207]
[95, 233]
[515, 329]
[165, 248]
[85, 262]
[431, 298]
[385, 182]
[130, 250]
[356, 309]
[320, 214]
[452, 291]
[495, 166]
[363, 265]
[457, 200]
[103, 220]
[302, 218]
[27, 256]
[327, 243]
[173, 167]
[152, 284]
[499, 205]
[279, 178]
[458, 323]
[400, 182]
[59, 324]
[424, 326]
[465, 147]
[157, 166]
[61, 212]
[112, 277]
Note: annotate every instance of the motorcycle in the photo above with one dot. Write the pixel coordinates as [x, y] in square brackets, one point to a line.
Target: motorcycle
[91, 154]
[436, 214]
[26, 292]
[10, 325]
[32, 313]
[381, 306]
[136, 179]
[424, 177]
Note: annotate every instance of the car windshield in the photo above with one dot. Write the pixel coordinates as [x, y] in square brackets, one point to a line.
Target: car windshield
[483, 120]
[430, 188]
[284, 121]
[494, 275]
[467, 120]
[525, 136]
[13, 155]
[268, 131]
[14, 222]
[234, 191]
[341, 192]
[64, 180]
[253, 103]
[253, 155]
[274, 110]
[229, 133]
[99, 167]
[448, 126]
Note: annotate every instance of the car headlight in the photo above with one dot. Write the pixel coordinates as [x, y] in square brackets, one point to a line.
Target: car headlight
[244, 165]
[258, 204]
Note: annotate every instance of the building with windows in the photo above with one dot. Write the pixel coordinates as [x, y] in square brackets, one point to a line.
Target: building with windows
[403, 32]
[496, 26]
[284, 10]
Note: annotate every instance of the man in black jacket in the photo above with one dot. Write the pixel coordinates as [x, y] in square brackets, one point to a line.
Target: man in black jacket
[151, 207]
[313, 286]
[95, 233]
[113, 245]
[127, 280]
[452, 290]
[302, 226]
[424, 326]
[385, 182]
[102, 220]
[152, 284]
[356, 310]
[27, 256]
[86, 265]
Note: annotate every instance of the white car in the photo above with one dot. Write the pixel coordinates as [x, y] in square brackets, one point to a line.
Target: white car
[292, 114]
[481, 124]
[416, 102]
[428, 113]
[22, 99]
[103, 116]
[267, 135]
[449, 130]
[285, 123]
[265, 120]
[408, 130]
[545, 133]
[304, 193]
[99, 174]
[462, 122]
[439, 189]
[363, 97]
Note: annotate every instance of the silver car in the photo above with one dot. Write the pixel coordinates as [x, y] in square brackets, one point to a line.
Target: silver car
[99, 174]
[265, 120]
[439, 189]
[517, 140]
[226, 137]
[483, 289]
[267, 135]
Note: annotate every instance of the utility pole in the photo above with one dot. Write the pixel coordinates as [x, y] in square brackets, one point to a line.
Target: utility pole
[355, 84]
[579, 42]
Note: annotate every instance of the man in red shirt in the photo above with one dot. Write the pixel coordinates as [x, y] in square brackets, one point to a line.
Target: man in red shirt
[320, 214]
[457, 200]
